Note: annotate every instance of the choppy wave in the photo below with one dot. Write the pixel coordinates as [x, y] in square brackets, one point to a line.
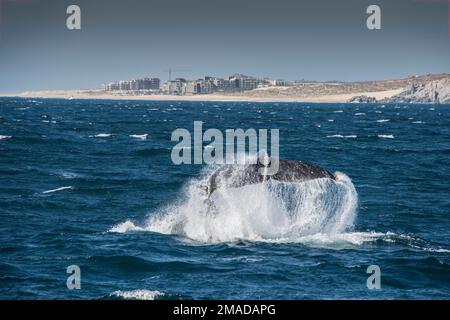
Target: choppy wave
[351, 136]
[139, 136]
[386, 136]
[413, 242]
[67, 174]
[56, 190]
[103, 135]
[5, 137]
[340, 240]
[139, 294]
[127, 226]
[402, 225]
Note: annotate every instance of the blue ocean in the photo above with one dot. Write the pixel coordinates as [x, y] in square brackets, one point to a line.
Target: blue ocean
[91, 183]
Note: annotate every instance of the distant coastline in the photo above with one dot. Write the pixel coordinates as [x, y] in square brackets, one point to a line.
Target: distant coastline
[418, 89]
[97, 94]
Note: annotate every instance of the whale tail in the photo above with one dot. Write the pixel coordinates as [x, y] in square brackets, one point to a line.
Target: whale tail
[239, 175]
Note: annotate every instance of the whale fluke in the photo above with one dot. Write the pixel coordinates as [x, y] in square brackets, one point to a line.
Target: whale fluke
[238, 175]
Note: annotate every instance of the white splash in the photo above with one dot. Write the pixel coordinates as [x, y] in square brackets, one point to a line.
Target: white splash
[126, 227]
[139, 294]
[5, 137]
[313, 211]
[383, 120]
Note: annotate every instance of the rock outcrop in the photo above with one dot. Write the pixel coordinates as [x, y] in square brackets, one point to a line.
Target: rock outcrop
[363, 99]
[437, 91]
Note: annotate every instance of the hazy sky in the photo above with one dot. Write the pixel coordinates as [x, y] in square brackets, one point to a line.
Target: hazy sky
[291, 39]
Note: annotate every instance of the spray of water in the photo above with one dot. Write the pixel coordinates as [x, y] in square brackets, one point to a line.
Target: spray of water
[268, 211]
[318, 213]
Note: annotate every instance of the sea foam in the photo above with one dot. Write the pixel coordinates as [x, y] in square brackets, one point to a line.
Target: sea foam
[139, 294]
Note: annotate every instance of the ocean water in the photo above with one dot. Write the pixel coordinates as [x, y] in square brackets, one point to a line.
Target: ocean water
[91, 183]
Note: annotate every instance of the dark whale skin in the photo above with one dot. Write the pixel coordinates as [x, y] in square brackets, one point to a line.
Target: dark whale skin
[236, 175]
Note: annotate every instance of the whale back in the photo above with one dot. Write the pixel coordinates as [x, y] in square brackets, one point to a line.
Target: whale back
[235, 176]
[299, 171]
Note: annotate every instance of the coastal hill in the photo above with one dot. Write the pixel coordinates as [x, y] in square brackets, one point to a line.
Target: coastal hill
[420, 89]
[437, 91]
[417, 89]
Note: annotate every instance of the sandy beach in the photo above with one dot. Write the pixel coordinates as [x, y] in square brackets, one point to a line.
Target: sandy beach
[97, 94]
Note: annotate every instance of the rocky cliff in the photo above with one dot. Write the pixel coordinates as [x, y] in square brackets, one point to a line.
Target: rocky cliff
[437, 91]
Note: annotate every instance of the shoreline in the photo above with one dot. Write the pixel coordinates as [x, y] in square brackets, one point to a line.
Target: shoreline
[101, 95]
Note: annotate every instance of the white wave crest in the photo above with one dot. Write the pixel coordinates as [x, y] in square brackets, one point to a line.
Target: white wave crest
[139, 136]
[140, 294]
[383, 120]
[103, 135]
[56, 190]
[5, 137]
[126, 227]
[386, 136]
[68, 174]
[351, 136]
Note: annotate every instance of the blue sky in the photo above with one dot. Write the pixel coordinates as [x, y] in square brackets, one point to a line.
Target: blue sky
[290, 39]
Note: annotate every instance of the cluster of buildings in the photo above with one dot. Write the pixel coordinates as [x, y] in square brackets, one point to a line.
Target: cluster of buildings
[134, 85]
[234, 83]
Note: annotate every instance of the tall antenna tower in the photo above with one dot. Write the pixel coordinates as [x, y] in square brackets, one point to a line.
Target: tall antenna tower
[170, 71]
